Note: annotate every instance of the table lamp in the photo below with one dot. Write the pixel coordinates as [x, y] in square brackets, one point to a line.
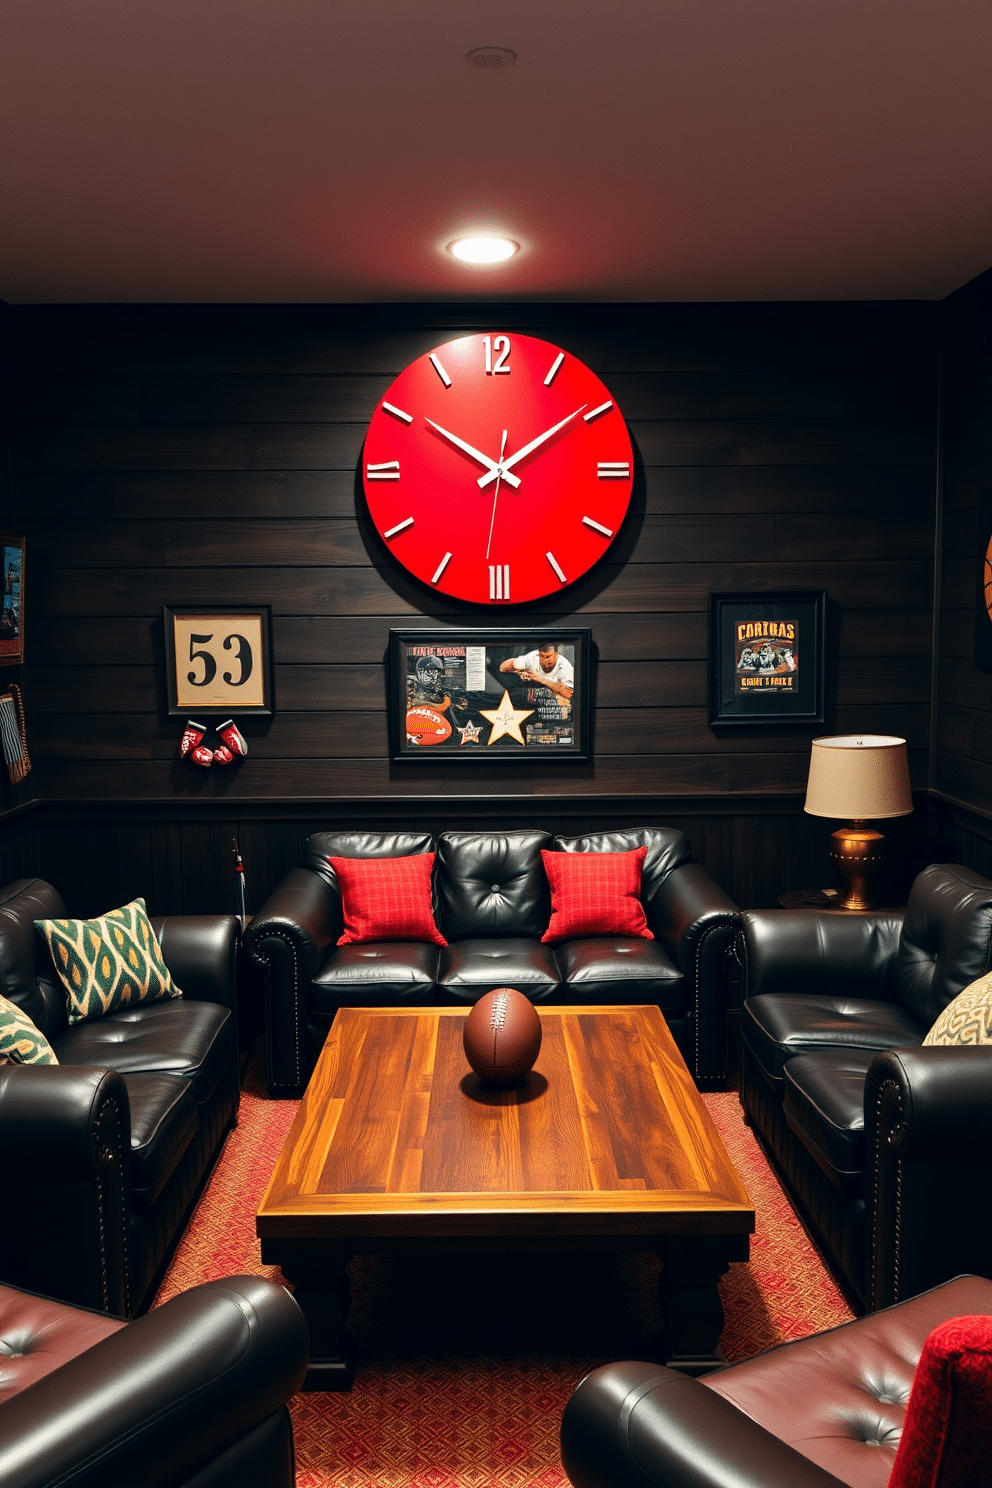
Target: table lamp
[859, 778]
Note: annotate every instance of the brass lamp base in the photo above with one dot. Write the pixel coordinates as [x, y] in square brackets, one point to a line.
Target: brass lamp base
[858, 852]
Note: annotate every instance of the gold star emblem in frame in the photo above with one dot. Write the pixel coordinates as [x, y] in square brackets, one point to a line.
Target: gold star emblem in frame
[506, 719]
[469, 733]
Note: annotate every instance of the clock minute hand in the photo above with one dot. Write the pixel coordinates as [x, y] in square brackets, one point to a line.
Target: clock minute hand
[493, 468]
[505, 466]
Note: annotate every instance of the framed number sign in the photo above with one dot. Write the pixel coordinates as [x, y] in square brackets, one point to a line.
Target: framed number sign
[219, 660]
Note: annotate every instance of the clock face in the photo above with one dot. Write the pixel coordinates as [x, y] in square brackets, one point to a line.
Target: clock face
[497, 469]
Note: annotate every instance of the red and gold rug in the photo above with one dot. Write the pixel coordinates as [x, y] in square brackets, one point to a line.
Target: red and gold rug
[461, 1384]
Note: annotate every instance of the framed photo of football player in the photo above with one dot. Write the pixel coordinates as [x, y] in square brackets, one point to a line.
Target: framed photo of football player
[767, 658]
[983, 599]
[485, 695]
[218, 660]
[12, 613]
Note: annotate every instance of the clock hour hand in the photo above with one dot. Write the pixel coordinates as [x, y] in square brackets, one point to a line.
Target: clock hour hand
[493, 468]
[506, 466]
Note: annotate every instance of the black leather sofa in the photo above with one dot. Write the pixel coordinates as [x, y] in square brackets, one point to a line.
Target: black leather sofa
[885, 1145]
[193, 1395]
[822, 1412]
[106, 1151]
[492, 904]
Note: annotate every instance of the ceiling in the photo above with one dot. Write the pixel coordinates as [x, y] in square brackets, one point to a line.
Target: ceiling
[328, 150]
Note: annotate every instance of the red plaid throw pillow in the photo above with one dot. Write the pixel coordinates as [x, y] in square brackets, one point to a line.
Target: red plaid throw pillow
[387, 899]
[595, 894]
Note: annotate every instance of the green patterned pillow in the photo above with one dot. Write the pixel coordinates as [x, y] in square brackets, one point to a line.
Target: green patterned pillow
[20, 1041]
[108, 963]
[968, 1019]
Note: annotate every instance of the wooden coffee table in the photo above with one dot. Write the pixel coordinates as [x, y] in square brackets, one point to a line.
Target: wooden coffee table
[397, 1146]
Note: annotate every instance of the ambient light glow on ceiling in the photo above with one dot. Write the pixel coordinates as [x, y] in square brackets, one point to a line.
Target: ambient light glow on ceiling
[483, 249]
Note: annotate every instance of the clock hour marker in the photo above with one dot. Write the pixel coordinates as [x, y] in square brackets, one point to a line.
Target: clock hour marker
[408, 522]
[441, 567]
[386, 470]
[596, 527]
[613, 469]
[398, 412]
[595, 412]
[440, 370]
[554, 368]
[556, 566]
[499, 581]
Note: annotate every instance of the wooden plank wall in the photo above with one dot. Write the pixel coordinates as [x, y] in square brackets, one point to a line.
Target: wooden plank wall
[209, 455]
[962, 765]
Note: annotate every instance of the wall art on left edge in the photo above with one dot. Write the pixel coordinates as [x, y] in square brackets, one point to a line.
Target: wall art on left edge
[12, 616]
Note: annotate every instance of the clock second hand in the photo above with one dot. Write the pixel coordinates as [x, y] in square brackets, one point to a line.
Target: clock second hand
[492, 520]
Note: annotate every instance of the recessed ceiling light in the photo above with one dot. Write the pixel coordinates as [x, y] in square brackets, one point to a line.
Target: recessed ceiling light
[483, 248]
[490, 56]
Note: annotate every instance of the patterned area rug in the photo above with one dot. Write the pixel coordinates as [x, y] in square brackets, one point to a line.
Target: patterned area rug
[461, 1384]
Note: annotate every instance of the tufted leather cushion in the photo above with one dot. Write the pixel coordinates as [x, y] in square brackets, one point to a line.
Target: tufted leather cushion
[776, 1028]
[840, 1397]
[824, 1103]
[367, 975]
[946, 940]
[492, 884]
[192, 1039]
[164, 1120]
[620, 968]
[471, 967]
[38, 1335]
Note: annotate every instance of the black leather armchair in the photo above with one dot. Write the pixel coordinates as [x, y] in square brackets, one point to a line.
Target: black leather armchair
[822, 1412]
[108, 1149]
[492, 903]
[193, 1395]
[885, 1145]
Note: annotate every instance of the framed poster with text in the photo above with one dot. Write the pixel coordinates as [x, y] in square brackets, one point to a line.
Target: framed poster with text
[485, 695]
[767, 658]
[219, 660]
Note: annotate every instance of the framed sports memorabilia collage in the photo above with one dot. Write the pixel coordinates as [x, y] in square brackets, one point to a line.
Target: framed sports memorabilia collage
[485, 695]
[767, 658]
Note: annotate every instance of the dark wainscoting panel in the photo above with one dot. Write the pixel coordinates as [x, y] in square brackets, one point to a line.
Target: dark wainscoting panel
[179, 857]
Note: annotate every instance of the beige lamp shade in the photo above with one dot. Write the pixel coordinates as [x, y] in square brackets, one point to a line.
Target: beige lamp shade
[859, 777]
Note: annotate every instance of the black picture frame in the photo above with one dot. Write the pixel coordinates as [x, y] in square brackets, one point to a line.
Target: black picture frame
[443, 683]
[12, 610]
[983, 592]
[766, 658]
[212, 652]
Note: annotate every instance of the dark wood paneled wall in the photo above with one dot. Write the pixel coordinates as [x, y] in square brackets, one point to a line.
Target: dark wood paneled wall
[962, 763]
[209, 455]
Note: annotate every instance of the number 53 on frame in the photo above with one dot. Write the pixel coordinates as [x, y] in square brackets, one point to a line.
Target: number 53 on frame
[219, 660]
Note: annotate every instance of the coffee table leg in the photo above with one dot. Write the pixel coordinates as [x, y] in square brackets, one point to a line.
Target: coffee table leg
[691, 1310]
[321, 1287]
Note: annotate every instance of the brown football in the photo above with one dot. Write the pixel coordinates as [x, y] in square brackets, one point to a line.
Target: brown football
[502, 1037]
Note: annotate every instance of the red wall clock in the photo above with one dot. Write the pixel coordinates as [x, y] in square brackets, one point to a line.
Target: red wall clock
[497, 469]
